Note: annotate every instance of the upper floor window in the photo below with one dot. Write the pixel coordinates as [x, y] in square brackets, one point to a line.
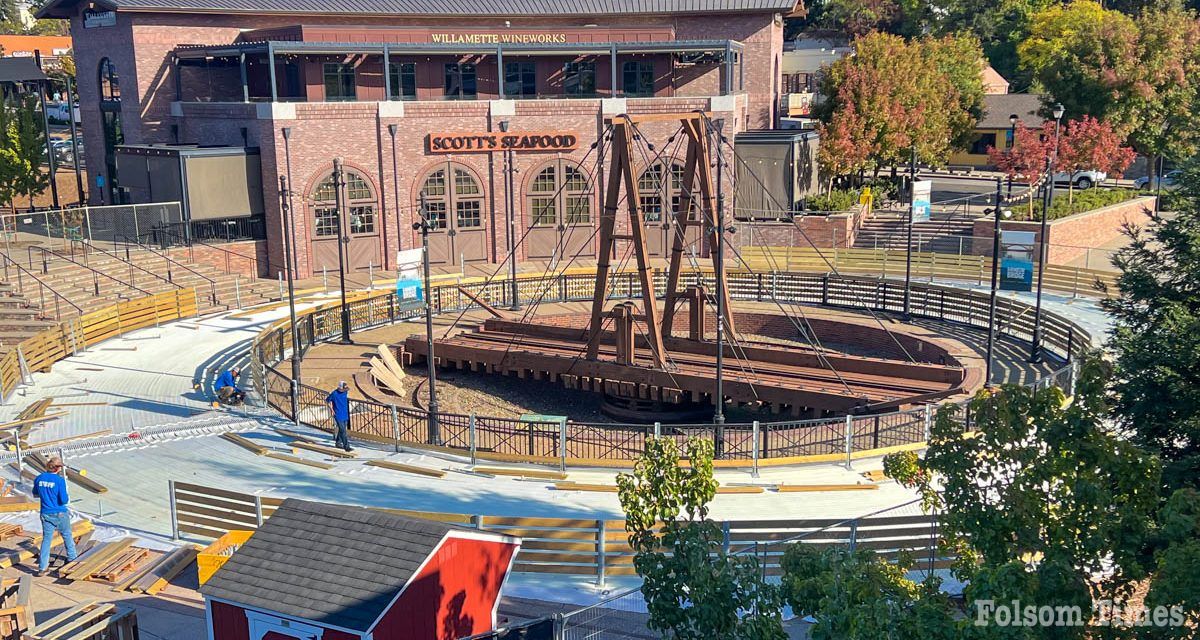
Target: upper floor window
[110, 86]
[579, 78]
[638, 78]
[339, 81]
[460, 81]
[403, 77]
[520, 79]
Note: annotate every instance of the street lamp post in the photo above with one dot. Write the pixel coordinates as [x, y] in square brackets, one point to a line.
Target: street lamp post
[287, 159]
[1035, 351]
[912, 203]
[991, 338]
[285, 196]
[339, 183]
[423, 227]
[74, 139]
[1013, 119]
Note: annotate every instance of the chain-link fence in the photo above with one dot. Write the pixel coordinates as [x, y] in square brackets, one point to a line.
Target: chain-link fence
[112, 224]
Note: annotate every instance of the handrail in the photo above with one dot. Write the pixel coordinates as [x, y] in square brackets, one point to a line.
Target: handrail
[212, 284]
[41, 299]
[191, 242]
[95, 272]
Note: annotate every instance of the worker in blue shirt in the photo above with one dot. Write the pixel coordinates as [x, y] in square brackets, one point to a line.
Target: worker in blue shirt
[51, 489]
[339, 406]
[226, 387]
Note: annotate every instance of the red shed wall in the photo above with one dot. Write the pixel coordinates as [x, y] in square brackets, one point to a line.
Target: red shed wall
[453, 596]
[230, 623]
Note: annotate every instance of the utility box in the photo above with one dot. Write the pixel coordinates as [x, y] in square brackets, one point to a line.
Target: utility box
[776, 169]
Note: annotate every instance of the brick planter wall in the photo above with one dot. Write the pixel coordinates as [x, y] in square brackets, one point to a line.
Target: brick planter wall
[1072, 236]
[824, 232]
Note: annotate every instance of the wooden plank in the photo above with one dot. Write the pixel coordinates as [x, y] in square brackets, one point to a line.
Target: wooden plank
[176, 566]
[64, 616]
[30, 421]
[59, 441]
[817, 488]
[556, 523]
[123, 563]
[13, 504]
[523, 473]
[290, 458]
[81, 620]
[406, 468]
[610, 488]
[293, 435]
[103, 554]
[246, 444]
[320, 448]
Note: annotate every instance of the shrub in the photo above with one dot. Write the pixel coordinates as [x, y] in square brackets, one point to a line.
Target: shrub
[833, 201]
[1083, 201]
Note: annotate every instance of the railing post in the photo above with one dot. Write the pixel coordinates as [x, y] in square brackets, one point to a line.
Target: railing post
[258, 513]
[26, 376]
[849, 438]
[657, 430]
[237, 290]
[928, 421]
[562, 445]
[395, 429]
[471, 435]
[174, 509]
[601, 551]
[295, 399]
[853, 535]
[754, 433]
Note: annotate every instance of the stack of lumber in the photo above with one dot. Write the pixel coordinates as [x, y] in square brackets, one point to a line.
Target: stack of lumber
[88, 621]
[107, 562]
[386, 371]
[38, 461]
[29, 417]
[17, 550]
[16, 612]
[159, 572]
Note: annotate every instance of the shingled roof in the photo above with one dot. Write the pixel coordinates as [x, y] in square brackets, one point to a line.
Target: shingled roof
[440, 8]
[330, 564]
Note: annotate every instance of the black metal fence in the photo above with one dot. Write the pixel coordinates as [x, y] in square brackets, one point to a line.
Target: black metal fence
[582, 443]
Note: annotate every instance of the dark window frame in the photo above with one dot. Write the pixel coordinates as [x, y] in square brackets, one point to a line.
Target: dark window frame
[343, 71]
[579, 78]
[521, 74]
[403, 79]
[460, 81]
[109, 79]
[642, 74]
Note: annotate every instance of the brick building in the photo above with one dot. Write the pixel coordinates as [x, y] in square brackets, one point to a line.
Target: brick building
[401, 89]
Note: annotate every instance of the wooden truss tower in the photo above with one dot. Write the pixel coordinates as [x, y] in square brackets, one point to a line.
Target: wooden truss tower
[696, 196]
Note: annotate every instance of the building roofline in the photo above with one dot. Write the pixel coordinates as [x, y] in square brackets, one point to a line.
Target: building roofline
[65, 9]
[186, 52]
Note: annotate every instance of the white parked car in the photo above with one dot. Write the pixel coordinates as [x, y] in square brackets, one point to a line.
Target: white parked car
[1169, 180]
[1084, 179]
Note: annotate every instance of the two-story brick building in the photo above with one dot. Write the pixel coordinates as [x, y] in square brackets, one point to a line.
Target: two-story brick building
[403, 91]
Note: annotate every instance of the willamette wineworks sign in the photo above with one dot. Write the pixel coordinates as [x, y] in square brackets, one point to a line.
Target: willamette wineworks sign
[490, 141]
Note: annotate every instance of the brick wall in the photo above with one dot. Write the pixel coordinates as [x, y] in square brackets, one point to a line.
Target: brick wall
[1071, 237]
[823, 232]
[248, 258]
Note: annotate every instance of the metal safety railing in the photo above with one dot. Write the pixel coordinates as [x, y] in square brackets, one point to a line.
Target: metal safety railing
[749, 444]
[43, 287]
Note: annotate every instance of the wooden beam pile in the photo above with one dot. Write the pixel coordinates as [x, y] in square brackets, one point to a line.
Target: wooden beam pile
[88, 621]
[38, 461]
[157, 574]
[18, 550]
[16, 612]
[387, 371]
[106, 561]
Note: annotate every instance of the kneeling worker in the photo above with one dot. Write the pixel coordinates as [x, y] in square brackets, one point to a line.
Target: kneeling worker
[227, 389]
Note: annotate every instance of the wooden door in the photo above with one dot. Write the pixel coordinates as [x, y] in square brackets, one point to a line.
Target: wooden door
[560, 213]
[458, 230]
[358, 224]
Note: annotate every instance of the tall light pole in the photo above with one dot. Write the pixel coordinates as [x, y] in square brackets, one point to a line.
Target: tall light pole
[1013, 119]
[423, 227]
[287, 158]
[912, 203]
[1035, 351]
[991, 339]
[285, 197]
[510, 215]
[74, 139]
[343, 239]
[392, 129]
[716, 128]
[42, 88]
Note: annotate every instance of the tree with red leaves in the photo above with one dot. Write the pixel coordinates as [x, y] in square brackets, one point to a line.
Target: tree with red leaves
[1089, 144]
[1026, 159]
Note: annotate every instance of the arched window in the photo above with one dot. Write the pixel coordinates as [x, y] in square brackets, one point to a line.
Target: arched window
[360, 203]
[652, 190]
[110, 87]
[465, 199]
[560, 187]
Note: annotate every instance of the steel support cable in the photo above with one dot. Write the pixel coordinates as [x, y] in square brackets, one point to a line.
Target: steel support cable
[824, 258]
[513, 250]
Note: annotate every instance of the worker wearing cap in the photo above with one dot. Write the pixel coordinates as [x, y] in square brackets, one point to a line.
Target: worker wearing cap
[226, 385]
[51, 489]
[339, 405]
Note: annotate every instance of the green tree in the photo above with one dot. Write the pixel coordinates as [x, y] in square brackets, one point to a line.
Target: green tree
[694, 589]
[1156, 335]
[1140, 75]
[856, 595]
[22, 149]
[1177, 563]
[1040, 500]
